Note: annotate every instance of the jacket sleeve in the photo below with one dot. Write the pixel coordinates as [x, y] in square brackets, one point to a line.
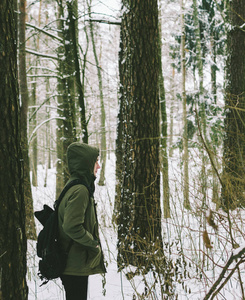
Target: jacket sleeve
[74, 218]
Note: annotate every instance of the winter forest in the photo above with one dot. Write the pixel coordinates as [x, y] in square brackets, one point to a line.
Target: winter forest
[159, 87]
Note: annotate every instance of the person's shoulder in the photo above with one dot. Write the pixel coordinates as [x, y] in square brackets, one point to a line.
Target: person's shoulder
[79, 189]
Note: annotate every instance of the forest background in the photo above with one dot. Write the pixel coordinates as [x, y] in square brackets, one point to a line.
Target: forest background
[159, 87]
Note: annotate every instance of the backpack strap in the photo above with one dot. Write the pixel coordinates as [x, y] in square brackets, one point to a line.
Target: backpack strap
[67, 187]
[62, 194]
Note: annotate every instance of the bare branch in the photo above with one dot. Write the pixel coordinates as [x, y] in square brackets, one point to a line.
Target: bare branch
[33, 52]
[45, 32]
[104, 21]
[44, 75]
[35, 130]
[41, 105]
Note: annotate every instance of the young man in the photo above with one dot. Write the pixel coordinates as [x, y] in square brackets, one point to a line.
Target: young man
[78, 224]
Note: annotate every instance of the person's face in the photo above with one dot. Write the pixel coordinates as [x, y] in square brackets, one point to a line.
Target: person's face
[96, 167]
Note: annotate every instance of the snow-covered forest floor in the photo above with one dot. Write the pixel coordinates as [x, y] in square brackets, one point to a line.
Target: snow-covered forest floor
[195, 268]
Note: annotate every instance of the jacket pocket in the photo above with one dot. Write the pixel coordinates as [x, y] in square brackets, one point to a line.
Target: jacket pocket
[94, 257]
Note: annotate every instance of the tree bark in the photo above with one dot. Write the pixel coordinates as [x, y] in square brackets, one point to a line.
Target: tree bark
[12, 206]
[102, 105]
[202, 105]
[173, 98]
[139, 218]
[164, 135]
[72, 15]
[30, 224]
[234, 140]
[66, 125]
[119, 140]
[34, 153]
[185, 134]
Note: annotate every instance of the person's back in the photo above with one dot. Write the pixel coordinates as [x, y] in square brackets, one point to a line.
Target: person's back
[78, 224]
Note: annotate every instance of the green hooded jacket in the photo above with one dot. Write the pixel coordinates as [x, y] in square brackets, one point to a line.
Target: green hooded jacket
[77, 215]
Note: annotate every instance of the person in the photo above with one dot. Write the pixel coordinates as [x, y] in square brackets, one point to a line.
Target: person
[78, 223]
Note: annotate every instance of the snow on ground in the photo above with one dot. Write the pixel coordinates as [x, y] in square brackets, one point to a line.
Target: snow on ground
[182, 227]
[116, 286]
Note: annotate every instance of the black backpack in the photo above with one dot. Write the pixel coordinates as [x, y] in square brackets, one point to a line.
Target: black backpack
[53, 258]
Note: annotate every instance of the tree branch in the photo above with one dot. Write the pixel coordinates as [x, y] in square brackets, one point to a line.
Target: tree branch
[35, 130]
[33, 52]
[227, 278]
[45, 32]
[104, 21]
[238, 253]
[44, 75]
[45, 101]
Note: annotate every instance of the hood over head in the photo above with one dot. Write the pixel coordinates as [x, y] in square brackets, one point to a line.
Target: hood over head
[81, 159]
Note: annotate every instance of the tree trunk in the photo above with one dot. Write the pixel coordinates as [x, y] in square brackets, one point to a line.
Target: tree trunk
[173, 97]
[119, 139]
[47, 148]
[199, 61]
[164, 135]
[30, 224]
[102, 106]
[234, 141]
[72, 15]
[34, 140]
[34, 101]
[66, 125]
[12, 206]
[139, 218]
[214, 38]
[185, 135]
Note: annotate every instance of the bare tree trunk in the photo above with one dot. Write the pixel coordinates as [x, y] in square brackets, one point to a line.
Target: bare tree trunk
[119, 141]
[30, 224]
[213, 37]
[139, 216]
[47, 138]
[203, 174]
[34, 140]
[172, 113]
[102, 106]
[34, 156]
[234, 140]
[66, 129]
[185, 135]
[73, 19]
[13, 244]
[164, 135]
